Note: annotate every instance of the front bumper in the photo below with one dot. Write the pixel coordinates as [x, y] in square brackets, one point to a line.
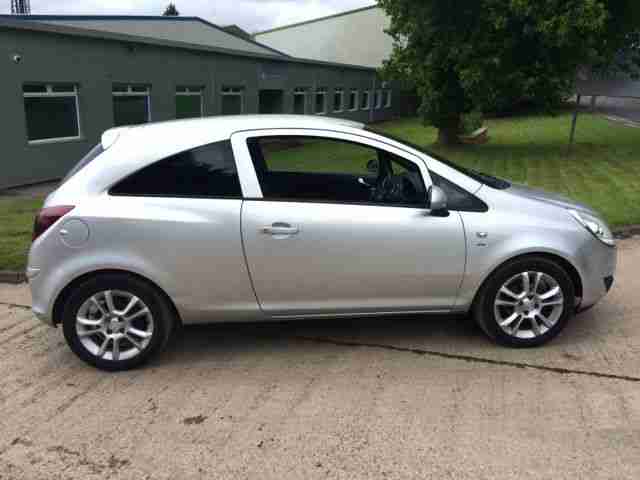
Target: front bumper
[597, 269]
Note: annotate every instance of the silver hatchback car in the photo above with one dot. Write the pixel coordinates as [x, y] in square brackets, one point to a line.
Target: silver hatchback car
[250, 218]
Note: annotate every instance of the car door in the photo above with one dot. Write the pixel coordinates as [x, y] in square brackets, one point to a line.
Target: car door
[324, 249]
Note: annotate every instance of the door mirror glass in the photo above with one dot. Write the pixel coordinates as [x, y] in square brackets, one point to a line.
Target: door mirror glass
[437, 199]
[372, 166]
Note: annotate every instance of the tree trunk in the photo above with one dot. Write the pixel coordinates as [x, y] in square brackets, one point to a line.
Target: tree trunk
[449, 131]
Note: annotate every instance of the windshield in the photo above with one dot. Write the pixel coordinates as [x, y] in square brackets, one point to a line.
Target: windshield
[483, 178]
[84, 161]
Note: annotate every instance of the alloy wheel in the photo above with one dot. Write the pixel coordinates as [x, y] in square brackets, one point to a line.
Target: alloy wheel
[528, 304]
[114, 325]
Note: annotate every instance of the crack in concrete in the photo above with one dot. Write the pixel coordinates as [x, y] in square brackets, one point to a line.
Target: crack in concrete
[471, 359]
[15, 305]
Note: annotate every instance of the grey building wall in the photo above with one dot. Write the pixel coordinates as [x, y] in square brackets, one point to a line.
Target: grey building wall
[95, 64]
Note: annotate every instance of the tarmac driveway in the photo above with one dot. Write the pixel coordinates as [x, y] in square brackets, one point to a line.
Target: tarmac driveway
[395, 398]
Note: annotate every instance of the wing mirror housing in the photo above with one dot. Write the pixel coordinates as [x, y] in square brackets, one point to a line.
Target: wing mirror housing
[437, 200]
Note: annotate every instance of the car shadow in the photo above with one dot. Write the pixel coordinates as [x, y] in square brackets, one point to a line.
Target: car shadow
[197, 343]
[453, 335]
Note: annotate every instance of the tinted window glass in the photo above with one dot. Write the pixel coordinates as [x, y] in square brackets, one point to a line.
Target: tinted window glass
[299, 104]
[323, 169]
[458, 198]
[315, 155]
[51, 117]
[231, 105]
[208, 171]
[188, 106]
[130, 110]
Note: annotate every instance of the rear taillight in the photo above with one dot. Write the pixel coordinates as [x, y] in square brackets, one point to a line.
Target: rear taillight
[47, 217]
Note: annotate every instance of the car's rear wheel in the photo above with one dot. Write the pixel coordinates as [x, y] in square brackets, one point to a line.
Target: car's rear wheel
[116, 321]
[526, 302]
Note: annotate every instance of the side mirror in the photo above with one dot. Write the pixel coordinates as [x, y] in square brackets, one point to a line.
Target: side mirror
[372, 166]
[437, 200]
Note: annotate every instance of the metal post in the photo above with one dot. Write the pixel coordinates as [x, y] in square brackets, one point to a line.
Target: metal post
[573, 123]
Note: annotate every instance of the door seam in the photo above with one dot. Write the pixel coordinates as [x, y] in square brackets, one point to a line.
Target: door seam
[246, 259]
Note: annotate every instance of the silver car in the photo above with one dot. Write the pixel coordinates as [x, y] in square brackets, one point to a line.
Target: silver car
[250, 218]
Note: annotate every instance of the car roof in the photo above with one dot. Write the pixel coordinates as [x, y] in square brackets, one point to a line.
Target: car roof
[222, 127]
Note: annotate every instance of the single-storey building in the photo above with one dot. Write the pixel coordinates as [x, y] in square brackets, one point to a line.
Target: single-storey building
[66, 79]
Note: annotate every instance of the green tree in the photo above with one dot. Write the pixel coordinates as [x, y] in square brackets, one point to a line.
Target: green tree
[464, 55]
[171, 11]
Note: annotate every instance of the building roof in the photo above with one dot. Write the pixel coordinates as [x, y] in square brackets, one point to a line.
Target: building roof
[319, 19]
[190, 30]
[18, 22]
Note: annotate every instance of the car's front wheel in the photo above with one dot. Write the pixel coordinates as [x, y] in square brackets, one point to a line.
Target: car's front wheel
[526, 302]
[116, 321]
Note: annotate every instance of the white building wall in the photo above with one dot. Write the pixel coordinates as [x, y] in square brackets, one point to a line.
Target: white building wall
[355, 38]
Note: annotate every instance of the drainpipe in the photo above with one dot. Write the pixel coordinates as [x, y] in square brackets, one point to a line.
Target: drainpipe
[372, 99]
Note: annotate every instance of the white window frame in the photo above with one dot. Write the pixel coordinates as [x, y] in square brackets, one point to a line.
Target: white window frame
[129, 92]
[338, 91]
[303, 92]
[356, 104]
[228, 91]
[366, 94]
[320, 91]
[388, 102]
[192, 92]
[49, 93]
[377, 98]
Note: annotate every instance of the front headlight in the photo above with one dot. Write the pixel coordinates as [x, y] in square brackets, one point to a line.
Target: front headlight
[596, 226]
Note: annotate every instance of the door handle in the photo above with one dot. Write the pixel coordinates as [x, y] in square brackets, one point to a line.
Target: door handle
[280, 228]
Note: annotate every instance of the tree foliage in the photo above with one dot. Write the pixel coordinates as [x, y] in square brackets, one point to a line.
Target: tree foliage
[464, 55]
[171, 11]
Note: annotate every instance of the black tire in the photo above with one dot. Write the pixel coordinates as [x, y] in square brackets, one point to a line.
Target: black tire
[483, 309]
[163, 314]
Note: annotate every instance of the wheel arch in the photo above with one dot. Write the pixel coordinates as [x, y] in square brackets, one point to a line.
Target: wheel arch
[66, 291]
[565, 264]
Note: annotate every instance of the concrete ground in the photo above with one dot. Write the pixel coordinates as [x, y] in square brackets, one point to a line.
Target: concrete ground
[394, 398]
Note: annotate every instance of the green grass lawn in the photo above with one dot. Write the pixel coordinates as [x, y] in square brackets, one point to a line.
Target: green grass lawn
[16, 225]
[603, 170]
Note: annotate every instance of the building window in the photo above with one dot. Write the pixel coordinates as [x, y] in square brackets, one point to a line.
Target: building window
[338, 100]
[300, 100]
[321, 101]
[232, 100]
[365, 101]
[353, 100]
[131, 104]
[378, 99]
[189, 102]
[51, 112]
[387, 98]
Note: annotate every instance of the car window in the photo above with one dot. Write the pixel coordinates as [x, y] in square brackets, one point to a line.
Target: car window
[331, 170]
[457, 198]
[315, 155]
[203, 172]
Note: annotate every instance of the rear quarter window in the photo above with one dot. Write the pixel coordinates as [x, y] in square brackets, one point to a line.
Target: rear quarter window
[203, 172]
